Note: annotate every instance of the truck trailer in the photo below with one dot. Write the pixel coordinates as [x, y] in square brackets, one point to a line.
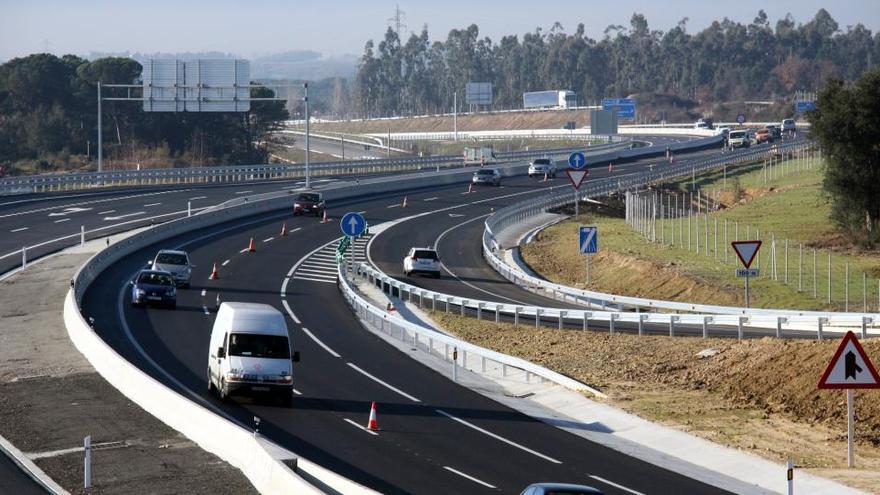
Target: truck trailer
[550, 99]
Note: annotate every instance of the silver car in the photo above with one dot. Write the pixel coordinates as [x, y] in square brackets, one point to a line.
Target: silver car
[542, 167]
[487, 176]
[176, 263]
[559, 489]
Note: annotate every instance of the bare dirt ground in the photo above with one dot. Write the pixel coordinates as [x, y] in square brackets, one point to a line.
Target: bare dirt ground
[756, 395]
[546, 119]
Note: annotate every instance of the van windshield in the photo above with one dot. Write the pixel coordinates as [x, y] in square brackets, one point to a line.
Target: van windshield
[737, 134]
[171, 259]
[260, 346]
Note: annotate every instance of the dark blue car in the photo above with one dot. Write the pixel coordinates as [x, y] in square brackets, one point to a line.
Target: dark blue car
[154, 287]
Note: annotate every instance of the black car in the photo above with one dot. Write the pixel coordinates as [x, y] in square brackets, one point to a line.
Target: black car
[308, 202]
[154, 287]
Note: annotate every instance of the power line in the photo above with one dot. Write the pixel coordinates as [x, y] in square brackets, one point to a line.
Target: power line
[397, 20]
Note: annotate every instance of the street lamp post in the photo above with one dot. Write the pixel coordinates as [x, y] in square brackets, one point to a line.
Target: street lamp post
[306, 101]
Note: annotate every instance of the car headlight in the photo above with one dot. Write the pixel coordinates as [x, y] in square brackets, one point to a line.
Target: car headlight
[297, 205]
[285, 378]
[140, 292]
[234, 376]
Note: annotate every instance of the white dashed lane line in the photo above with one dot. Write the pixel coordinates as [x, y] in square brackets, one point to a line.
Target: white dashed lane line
[19, 230]
[151, 204]
[371, 432]
[615, 485]
[497, 437]
[384, 384]
[224, 263]
[62, 220]
[467, 476]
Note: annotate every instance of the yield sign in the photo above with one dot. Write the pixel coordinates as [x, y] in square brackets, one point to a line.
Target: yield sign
[746, 250]
[850, 367]
[577, 177]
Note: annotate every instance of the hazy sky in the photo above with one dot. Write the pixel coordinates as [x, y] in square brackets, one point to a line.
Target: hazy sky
[248, 28]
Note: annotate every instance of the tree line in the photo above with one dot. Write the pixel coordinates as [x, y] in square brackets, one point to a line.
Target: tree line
[48, 116]
[726, 61]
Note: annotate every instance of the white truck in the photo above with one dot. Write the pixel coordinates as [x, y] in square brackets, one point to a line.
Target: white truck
[482, 155]
[250, 353]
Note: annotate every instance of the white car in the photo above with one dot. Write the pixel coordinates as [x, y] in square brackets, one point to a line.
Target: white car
[422, 260]
[176, 263]
[490, 176]
[788, 125]
[542, 166]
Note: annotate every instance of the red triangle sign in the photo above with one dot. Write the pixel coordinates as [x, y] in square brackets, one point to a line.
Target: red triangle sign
[850, 367]
[577, 177]
[746, 250]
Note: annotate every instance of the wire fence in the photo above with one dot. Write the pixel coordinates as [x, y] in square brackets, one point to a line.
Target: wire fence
[689, 221]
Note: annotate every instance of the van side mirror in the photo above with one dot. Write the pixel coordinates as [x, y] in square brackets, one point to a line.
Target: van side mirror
[221, 352]
[149, 262]
[295, 357]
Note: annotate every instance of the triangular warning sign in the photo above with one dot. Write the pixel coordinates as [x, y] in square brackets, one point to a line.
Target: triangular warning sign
[577, 177]
[746, 250]
[850, 367]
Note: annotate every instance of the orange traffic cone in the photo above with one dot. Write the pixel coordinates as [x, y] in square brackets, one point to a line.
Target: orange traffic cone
[373, 424]
[214, 274]
[251, 248]
[545, 177]
[470, 188]
[284, 229]
[389, 308]
[324, 219]
[404, 202]
[610, 168]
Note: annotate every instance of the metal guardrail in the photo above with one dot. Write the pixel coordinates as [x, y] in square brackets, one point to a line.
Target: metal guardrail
[242, 173]
[513, 214]
[411, 333]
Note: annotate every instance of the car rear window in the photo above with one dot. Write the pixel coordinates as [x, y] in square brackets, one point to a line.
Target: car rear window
[154, 278]
[737, 134]
[261, 346]
[311, 198]
[485, 172]
[171, 259]
[542, 161]
[423, 254]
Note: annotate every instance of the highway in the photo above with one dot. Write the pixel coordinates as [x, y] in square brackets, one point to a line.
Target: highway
[14, 480]
[436, 437]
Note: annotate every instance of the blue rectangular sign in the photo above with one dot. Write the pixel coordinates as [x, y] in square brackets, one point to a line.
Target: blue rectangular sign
[588, 239]
[626, 107]
[804, 106]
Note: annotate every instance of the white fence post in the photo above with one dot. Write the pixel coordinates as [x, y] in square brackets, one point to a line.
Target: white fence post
[87, 462]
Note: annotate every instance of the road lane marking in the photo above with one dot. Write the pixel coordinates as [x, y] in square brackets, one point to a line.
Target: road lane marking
[393, 206]
[243, 251]
[615, 485]
[297, 392]
[463, 475]
[371, 432]
[318, 341]
[291, 313]
[19, 230]
[380, 382]
[62, 220]
[284, 286]
[205, 309]
[294, 230]
[310, 279]
[243, 192]
[498, 437]
[106, 212]
[119, 217]
[198, 197]
[151, 204]
[268, 239]
[224, 263]
[430, 199]
[204, 291]
[362, 212]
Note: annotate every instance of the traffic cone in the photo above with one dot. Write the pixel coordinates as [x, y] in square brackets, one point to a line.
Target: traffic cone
[470, 188]
[545, 177]
[251, 247]
[284, 229]
[404, 202]
[214, 274]
[610, 168]
[324, 219]
[372, 424]
[389, 308]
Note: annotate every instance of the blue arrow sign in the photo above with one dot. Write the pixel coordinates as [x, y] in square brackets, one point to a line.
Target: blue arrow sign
[588, 241]
[740, 119]
[353, 224]
[576, 160]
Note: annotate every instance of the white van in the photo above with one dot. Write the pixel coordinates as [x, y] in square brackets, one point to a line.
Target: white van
[250, 352]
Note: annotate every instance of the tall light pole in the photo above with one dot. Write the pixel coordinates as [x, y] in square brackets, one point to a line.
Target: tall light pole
[100, 133]
[306, 101]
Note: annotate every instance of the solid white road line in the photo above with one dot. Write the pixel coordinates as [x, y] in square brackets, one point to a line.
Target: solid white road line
[310, 279]
[290, 312]
[317, 271]
[463, 475]
[152, 204]
[615, 485]
[197, 197]
[62, 220]
[498, 437]
[371, 432]
[380, 382]
[430, 199]
[318, 341]
[19, 230]
[270, 239]
[284, 286]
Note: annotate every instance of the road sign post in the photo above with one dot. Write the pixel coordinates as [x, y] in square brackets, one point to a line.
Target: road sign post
[588, 243]
[746, 251]
[576, 176]
[849, 369]
[352, 225]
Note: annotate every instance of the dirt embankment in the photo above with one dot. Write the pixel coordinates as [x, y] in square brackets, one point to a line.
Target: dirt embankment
[547, 119]
[756, 395]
